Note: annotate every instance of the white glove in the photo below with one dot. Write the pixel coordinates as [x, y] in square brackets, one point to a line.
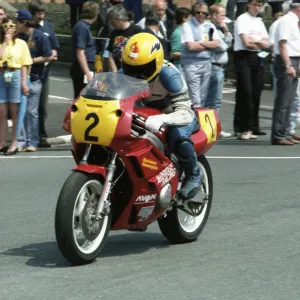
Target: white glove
[153, 123]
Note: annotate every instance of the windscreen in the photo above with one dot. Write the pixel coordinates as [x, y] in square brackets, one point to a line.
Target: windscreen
[114, 86]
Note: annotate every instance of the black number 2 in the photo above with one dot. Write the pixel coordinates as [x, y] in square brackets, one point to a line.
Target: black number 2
[87, 135]
[207, 120]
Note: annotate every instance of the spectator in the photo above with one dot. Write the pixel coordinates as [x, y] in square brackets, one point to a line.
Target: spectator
[40, 50]
[84, 51]
[199, 38]
[152, 26]
[286, 67]
[251, 37]
[2, 14]
[14, 59]
[124, 30]
[166, 16]
[182, 15]
[104, 28]
[272, 31]
[219, 60]
[37, 10]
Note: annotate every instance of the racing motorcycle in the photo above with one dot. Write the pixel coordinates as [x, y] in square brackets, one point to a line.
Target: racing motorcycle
[124, 177]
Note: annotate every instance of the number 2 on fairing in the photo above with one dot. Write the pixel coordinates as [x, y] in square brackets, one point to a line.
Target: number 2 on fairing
[207, 119]
[87, 136]
[208, 124]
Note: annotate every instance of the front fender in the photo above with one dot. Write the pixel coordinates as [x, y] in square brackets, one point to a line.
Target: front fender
[91, 169]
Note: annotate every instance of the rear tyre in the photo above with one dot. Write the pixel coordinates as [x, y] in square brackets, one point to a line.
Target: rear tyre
[179, 227]
[79, 236]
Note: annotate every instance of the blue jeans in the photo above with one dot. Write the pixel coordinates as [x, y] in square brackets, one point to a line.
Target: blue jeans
[176, 135]
[20, 133]
[10, 92]
[32, 115]
[197, 79]
[214, 95]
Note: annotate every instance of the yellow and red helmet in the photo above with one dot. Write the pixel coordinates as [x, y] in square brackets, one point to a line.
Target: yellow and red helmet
[143, 56]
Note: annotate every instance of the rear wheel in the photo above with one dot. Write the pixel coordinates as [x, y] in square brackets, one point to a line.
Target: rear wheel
[181, 227]
[80, 237]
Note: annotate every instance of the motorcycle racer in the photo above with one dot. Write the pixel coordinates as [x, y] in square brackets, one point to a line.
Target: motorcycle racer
[143, 58]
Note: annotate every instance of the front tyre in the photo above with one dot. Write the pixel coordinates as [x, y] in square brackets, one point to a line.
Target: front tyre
[180, 227]
[79, 236]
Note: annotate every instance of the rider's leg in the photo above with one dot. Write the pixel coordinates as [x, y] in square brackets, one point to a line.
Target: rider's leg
[180, 144]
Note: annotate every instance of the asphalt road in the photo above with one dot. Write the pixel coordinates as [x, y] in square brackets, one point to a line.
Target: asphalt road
[248, 250]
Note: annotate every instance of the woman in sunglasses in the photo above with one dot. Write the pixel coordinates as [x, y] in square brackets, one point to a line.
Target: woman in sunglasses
[14, 61]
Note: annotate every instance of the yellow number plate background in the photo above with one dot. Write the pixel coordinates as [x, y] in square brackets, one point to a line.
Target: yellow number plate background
[208, 124]
[103, 130]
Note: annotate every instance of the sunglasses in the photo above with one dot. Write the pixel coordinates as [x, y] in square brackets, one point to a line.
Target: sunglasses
[9, 26]
[202, 13]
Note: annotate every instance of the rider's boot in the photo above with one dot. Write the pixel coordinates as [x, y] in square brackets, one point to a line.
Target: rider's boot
[192, 184]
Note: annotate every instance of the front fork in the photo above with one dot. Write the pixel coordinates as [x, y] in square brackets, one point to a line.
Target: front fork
[111, 169]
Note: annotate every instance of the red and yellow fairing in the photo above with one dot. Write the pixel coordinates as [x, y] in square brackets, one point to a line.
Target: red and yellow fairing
[95, 121]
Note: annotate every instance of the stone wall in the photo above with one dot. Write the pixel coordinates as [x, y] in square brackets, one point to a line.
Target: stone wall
[58, 13]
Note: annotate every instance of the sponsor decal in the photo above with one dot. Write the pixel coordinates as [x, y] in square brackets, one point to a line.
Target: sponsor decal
[155, 47]
[150, 164]
[166, 175]
[145, 198]
[134, 48]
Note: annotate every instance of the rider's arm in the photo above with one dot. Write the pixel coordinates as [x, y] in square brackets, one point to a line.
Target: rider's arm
[173, 82]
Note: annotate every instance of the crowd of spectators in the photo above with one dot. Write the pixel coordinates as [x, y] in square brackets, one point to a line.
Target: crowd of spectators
[195, 40]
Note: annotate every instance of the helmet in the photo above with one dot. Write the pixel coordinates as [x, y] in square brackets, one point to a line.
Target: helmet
[143, 56]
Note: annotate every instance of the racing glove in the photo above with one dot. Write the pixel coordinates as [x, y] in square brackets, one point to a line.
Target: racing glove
[153, 123]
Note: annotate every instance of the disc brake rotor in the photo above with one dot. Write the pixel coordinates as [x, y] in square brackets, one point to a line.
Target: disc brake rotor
[90, 226]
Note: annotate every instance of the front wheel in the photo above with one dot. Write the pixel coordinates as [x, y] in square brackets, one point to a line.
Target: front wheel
[80, 237]
[181, 227]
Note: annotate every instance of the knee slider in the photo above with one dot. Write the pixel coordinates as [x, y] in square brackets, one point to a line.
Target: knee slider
[185, 149]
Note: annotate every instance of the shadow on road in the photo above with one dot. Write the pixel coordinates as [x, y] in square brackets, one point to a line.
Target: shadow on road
[47, 254]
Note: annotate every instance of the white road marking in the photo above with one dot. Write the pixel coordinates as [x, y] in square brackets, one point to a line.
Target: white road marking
[60, 79]
[209, 157]
[228, 90]
[261, 106]
[60, 98]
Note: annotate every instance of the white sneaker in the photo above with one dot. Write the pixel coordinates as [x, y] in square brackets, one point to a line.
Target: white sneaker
[247, 135]
[30, 149]
[224, 134]
[9, 123]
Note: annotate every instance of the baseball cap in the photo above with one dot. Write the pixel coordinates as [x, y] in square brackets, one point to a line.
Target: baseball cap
[23, 14]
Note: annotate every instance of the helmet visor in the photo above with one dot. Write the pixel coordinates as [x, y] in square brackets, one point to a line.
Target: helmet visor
[141, 72]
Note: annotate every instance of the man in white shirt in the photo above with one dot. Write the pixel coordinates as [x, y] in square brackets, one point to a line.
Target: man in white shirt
[251, 37]
[199, 38]
[286, 68]
[219, 60]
